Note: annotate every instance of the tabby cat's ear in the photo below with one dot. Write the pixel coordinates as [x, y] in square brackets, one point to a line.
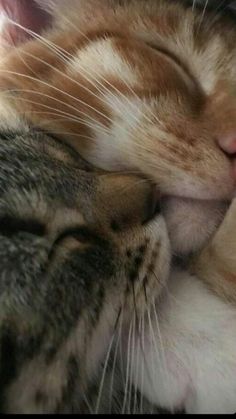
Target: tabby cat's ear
[19, 19]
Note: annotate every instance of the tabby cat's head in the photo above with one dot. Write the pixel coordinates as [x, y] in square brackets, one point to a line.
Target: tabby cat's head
[79, 251]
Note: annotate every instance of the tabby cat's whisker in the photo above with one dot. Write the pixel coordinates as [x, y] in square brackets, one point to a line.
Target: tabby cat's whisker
[154, 344]
[217, 16]
[109, 351]
[153, 335]
[114, 362]
[128, 352]
[142, 343]
[136, 375]
[152, 363]
[162, 350]
[163, 284]
[104, 374]
[140, 349]
[202, 16]
[129, 401]
[88, 404]
[141, 340]
[193, 5]
[172, 297]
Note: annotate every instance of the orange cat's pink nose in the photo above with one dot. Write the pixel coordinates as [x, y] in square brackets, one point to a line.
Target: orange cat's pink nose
[228, 144]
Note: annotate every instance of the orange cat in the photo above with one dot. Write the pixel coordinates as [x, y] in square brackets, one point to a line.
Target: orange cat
[147, 91]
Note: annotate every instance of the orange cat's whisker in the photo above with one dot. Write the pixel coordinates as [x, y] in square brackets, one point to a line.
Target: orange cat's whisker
[60, 91]
[55, 48]
[61, 113]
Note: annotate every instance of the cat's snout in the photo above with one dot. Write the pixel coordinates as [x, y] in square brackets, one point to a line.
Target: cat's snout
[228, 145]
[130, 201]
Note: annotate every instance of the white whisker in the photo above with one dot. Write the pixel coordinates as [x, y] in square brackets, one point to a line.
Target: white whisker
[136, 373]
[203, 15]
[104, 374]
[193, 5]
[114, 362]
[88, 404]
[162, 350]
[72, 118]
[60, 91]
[131, 366]
[127, 367]
[142, 343]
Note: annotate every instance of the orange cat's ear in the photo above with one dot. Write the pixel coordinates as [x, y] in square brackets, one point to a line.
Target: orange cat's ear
[18, 18]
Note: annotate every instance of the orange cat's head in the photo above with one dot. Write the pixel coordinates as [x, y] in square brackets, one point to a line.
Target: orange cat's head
[104, 78]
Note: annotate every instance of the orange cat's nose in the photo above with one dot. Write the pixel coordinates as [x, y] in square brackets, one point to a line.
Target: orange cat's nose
[228, 144]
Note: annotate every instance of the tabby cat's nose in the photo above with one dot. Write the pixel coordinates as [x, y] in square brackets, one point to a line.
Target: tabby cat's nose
[130, 201]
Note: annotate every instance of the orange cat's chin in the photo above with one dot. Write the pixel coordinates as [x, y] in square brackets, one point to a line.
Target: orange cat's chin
[191, 222]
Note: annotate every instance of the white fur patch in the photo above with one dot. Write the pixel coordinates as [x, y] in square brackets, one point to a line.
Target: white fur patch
[99, 59]
[190, 356]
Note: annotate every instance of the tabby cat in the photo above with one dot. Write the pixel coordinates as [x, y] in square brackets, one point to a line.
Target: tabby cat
[75, 253]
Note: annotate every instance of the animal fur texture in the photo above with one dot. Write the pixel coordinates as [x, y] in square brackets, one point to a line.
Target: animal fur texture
[145, 92]
[71, 266]
[148, 88]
